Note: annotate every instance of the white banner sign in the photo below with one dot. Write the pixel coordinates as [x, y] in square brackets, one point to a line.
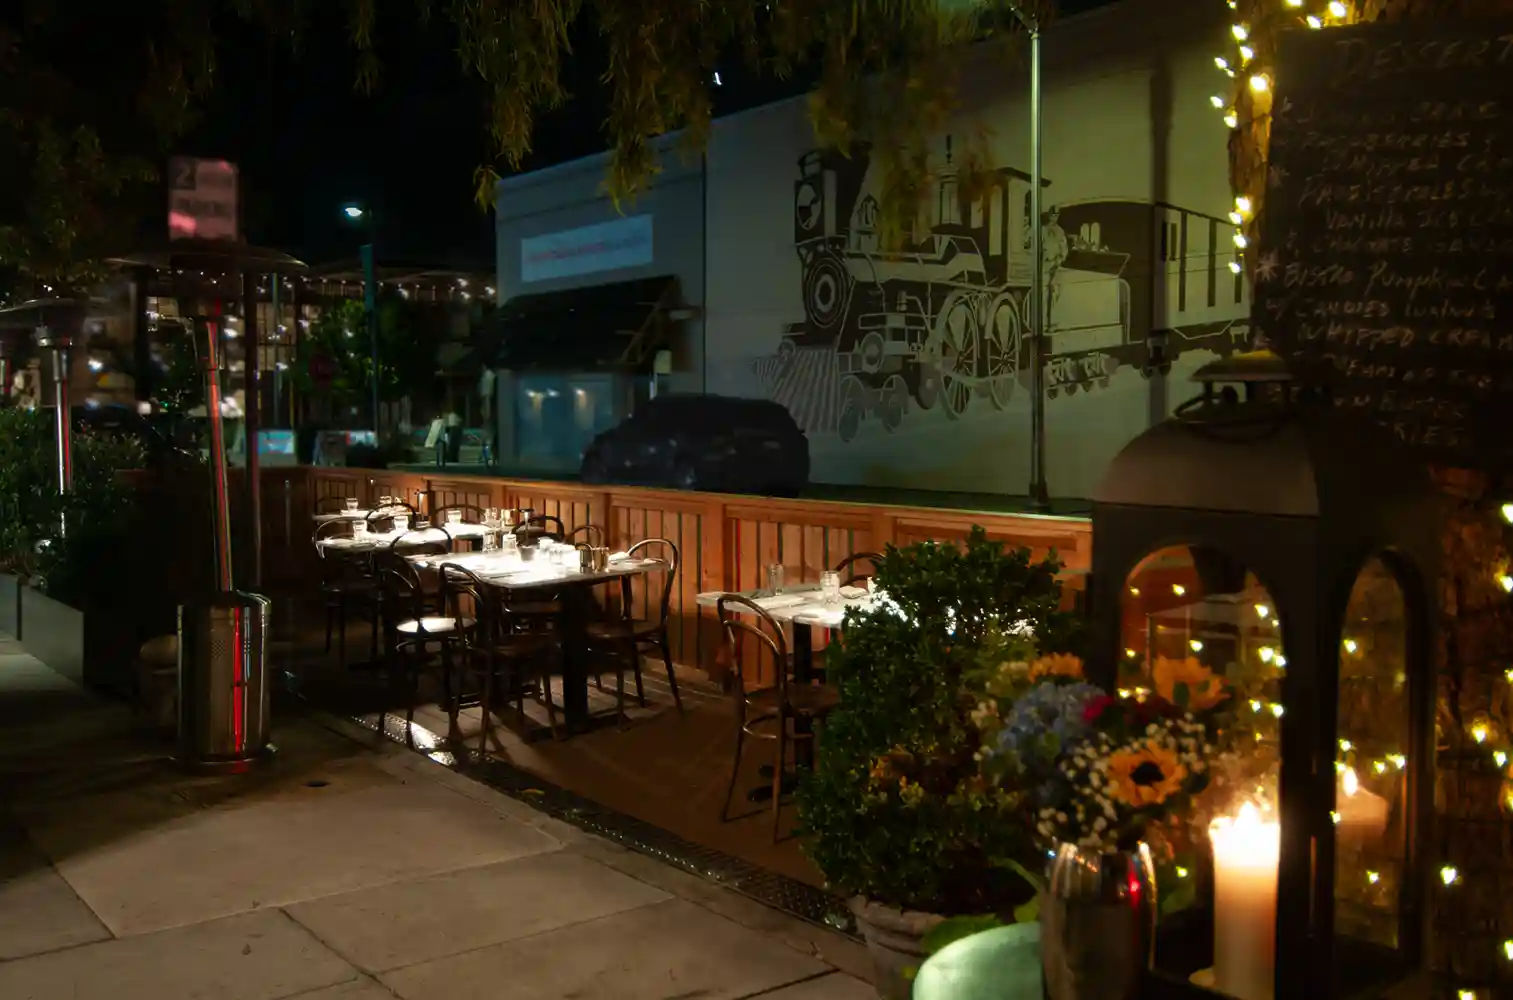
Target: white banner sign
[608, 246]
[202, 196]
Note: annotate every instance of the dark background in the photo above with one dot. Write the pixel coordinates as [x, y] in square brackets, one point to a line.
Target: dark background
[307, 142]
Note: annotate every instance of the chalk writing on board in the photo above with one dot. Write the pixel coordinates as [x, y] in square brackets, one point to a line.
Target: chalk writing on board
[1385, 269]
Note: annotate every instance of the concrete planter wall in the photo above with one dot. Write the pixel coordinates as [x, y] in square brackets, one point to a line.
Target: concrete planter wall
[53, 632]
[10, 605]
[96, 649]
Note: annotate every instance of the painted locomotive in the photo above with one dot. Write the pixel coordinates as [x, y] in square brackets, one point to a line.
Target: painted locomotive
[944, 318]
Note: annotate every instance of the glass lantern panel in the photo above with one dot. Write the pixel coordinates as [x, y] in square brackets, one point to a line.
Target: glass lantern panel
[1200, 631]
[1370, 812]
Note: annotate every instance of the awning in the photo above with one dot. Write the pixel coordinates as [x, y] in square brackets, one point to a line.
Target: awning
[616, 327]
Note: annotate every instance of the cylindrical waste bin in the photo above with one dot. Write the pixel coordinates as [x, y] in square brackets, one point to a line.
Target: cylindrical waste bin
[223, 682]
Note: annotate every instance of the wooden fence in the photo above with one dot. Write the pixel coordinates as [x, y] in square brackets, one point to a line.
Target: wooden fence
[725, 542]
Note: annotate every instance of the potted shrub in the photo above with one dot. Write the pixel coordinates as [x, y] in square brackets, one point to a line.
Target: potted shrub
[898, 813]
[59, 576]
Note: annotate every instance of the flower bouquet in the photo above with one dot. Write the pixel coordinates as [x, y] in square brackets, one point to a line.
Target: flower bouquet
[1100, 772]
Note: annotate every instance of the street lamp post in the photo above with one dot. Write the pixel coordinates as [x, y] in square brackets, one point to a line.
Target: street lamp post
[1039, 492]
[370, 294]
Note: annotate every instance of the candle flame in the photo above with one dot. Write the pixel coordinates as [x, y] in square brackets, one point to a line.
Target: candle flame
[1247, 835]
[1349, 783]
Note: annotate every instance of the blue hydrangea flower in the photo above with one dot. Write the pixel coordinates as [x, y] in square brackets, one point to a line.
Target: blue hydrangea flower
[1038, 729]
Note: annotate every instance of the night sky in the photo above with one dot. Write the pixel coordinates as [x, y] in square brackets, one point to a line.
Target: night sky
[307, 143]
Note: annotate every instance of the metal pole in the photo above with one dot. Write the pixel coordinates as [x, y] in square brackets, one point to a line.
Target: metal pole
[210, 363]
[1039, 492]
[60, 345]
[252, 422]
[370, 304]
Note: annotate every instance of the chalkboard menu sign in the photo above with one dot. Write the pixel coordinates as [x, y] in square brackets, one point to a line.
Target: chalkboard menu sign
[1385, 265]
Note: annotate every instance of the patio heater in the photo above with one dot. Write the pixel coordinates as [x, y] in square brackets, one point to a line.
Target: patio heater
[223, 682]
[60, 347]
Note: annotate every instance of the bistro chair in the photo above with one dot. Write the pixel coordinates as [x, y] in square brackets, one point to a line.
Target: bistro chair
[418, 642]
[495, 653]
[539, 526]
[397, 554]
[592, 536]
[768, 713]
[625, 637]
[471, 513]
[381, 520]
[851, 576]
[347, 583]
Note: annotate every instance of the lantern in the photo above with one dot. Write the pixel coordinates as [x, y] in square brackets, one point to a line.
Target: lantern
[1263, 547]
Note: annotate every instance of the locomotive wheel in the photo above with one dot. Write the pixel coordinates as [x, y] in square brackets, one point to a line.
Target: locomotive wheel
[827, 291]
[959, 334]
[853, 407]
[870, 352]
[924, 385]
[894, 403]
[1001, 347]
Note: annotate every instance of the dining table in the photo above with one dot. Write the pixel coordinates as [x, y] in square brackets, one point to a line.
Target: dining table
[510, 570]
[373, 541]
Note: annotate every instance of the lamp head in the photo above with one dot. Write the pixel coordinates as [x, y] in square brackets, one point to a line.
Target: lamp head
[353, 211]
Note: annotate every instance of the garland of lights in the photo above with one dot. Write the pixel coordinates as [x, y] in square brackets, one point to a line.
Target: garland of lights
[1247, 109]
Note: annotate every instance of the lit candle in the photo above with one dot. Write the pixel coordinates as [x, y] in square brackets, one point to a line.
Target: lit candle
[1363, 816]
[1247, 850]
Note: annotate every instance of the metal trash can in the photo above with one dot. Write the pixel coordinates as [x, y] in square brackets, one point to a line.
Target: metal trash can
[223, 683]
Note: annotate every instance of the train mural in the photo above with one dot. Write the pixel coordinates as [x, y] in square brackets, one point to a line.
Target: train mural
[943, 321]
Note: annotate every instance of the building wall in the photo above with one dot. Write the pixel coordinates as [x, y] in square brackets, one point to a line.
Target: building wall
[570, 196]
[907, 368]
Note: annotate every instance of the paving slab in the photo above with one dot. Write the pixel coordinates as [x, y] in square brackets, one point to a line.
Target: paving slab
[406, 923]
[215, 862]
[672, 949]
[254, 956]
[362, 988]
[39, 911]
[835, 986]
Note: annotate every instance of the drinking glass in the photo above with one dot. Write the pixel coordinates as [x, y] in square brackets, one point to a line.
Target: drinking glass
[775, 578]
[454, 517]
[401, 523]
[491, 541]
[351, 503]
[830, 587]
[359, 528]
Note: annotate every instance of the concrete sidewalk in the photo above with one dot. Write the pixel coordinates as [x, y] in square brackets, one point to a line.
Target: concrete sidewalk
[346, 872]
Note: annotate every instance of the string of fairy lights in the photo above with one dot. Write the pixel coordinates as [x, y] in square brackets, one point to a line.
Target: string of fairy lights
[1247, 105]
[1246, 108]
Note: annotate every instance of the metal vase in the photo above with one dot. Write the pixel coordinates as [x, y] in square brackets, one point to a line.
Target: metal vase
[1097, 923]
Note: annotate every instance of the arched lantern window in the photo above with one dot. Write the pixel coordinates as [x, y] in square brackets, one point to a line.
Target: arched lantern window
[1262, 537]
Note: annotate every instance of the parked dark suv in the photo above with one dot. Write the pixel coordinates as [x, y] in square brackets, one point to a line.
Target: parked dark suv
[719, 444]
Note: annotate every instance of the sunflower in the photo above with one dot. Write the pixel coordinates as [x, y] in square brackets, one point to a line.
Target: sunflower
[1146, 775]
[1056, 665]
[1204, 690]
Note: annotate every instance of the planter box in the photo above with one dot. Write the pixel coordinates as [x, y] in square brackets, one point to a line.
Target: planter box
[10, 605]
[53, 632]
[96, 650]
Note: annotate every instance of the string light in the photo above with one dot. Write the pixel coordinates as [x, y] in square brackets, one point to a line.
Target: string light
[1255, 94]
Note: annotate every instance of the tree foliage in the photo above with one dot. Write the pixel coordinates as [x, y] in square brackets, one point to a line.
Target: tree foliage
[91, 97]
[90, 103]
